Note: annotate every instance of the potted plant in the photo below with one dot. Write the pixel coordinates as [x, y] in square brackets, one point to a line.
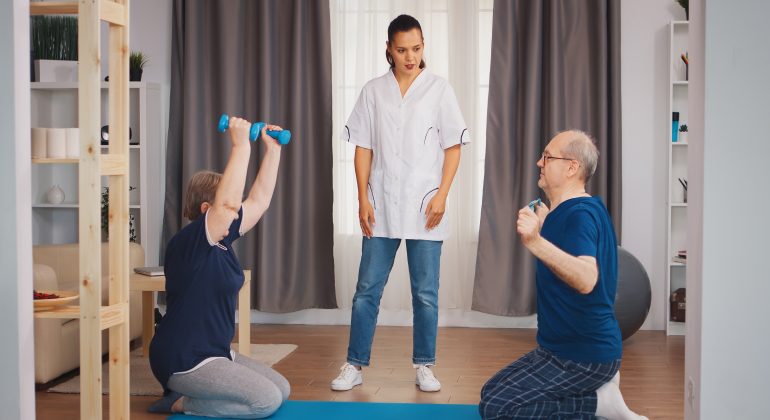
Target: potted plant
[55, 48]
[136, 62]
[683, 133]
[686, 5]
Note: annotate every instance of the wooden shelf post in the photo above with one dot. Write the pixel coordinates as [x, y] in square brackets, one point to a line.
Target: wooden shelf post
[89, 233]
[91, 167]
[118, 215]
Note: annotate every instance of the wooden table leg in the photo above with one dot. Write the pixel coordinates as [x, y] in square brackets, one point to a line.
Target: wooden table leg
[148, 322]
[244, 316]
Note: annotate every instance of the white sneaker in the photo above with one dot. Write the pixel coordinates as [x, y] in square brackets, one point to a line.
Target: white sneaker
[426, 379]
[348, 378]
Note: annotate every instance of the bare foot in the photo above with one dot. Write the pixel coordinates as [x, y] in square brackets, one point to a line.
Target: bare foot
[177, 406]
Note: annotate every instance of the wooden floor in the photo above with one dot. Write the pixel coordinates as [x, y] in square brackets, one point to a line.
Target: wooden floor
[651, 375]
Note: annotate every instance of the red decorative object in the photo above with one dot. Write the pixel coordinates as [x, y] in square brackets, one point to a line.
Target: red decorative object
[45, 295]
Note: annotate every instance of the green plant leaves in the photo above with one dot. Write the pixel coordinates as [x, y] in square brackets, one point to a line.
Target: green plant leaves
[137, 60]
[54, 37]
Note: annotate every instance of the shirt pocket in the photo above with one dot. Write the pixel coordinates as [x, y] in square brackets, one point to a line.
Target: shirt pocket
[424, 131]
[424, 188]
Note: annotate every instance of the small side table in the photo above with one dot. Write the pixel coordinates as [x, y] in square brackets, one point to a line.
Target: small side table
[148, 285]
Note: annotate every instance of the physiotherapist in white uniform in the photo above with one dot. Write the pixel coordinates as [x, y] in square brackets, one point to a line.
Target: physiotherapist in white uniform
[408, 129]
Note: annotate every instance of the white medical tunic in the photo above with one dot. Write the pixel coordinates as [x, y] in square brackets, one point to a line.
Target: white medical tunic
[407, 136]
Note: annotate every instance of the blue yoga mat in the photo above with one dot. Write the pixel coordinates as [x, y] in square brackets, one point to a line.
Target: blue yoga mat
[331, 410]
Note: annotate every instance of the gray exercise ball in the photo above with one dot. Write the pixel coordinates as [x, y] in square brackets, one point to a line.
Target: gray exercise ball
[633, 295]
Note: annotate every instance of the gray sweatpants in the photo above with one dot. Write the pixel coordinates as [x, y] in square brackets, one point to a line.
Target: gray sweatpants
[240, 389]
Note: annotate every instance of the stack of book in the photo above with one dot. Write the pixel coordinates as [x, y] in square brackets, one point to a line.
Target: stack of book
[681, 258]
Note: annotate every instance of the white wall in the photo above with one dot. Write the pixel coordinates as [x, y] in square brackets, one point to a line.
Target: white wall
[726, 350]
[644, 91]
[17, 382]
[150, 33]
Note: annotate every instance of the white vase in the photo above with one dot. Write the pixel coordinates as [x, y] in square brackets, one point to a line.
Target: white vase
[57, 144]
[56, 71]
[55, 195]
[39, 143]
[682, 137]
[72, 138]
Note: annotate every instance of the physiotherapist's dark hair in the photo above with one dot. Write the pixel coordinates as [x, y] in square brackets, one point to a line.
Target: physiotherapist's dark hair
[403, 23]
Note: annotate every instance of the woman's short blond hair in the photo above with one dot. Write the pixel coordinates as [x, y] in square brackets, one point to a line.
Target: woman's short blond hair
[202, 188]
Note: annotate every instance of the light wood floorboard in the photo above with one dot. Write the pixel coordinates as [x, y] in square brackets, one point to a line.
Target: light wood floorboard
[652, 372]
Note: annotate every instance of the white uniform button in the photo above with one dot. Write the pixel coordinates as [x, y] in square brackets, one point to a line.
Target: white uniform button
[398, 129]
[399, 106]
[396, 178]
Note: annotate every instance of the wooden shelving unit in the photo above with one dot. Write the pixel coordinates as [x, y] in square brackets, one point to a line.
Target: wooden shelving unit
[92, 165]
[676, 208]
[54, 104]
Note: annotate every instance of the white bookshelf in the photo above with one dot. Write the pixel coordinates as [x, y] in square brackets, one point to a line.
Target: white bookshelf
[676, 208]
[55, 105]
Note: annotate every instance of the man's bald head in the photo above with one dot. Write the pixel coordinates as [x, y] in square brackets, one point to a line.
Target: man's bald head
[578, 145]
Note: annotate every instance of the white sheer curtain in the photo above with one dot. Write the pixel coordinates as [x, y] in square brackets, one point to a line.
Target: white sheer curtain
[458, 35]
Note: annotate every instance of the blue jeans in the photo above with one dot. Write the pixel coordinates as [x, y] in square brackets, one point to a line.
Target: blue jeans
[377, 259]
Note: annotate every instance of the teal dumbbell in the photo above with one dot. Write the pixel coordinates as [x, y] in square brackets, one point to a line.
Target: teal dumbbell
[532, 204]
[283, 137]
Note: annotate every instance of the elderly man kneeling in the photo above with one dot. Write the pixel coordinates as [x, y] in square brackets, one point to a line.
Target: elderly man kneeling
[573, 373]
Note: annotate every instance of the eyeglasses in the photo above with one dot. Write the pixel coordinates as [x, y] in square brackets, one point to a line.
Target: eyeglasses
[545, 158]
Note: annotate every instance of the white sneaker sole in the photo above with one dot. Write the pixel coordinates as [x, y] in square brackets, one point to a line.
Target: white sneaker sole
[426, 388]
[346, 387]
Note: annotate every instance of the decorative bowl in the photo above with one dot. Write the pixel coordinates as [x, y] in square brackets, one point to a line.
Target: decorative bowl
[48, 304]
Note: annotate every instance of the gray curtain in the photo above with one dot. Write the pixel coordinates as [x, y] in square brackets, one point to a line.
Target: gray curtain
[555, 66]
[267, 61]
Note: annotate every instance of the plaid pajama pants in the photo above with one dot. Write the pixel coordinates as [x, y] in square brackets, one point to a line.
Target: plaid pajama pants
[543, 386]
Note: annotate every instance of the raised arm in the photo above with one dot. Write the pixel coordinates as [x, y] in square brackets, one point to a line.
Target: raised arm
[581, 272]
[227, 200]
[261, 192]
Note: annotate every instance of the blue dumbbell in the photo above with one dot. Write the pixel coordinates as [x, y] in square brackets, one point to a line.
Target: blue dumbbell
[283, 137]
[532, 204]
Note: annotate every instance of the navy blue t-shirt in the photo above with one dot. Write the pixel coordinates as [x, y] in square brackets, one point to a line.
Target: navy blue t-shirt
[572, 325]
[202, 285]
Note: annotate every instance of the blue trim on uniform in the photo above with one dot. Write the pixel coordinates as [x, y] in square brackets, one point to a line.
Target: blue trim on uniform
[461, 136]
[426, 136]
[423, 198]
[346, 127]
[374, 202]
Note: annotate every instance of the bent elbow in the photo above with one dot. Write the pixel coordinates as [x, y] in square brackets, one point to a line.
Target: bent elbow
[589, 287]
[231, 207]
